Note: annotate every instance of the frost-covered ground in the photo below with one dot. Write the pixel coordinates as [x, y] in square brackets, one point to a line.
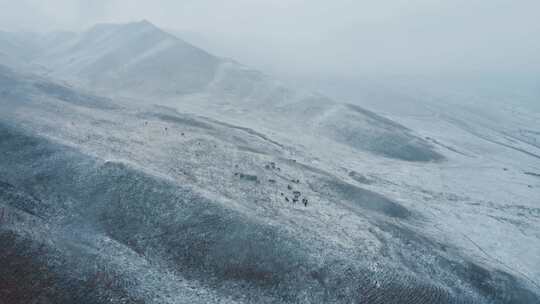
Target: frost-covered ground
[233, 187]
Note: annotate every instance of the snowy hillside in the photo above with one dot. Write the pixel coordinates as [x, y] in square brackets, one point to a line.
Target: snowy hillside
[136, 168]
[141, 63]
[136, 57]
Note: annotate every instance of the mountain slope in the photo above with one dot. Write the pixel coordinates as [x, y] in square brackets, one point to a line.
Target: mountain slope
[140, 61]
[14, 49]
[149, 205]
[136, 57]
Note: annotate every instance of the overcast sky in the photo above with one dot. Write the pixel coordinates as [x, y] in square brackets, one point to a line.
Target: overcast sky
[335, 38]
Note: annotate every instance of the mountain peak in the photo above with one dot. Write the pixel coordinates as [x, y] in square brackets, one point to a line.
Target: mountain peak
[145, 23]
[139, 25]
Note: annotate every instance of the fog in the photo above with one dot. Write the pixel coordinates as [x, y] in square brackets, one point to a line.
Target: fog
[313, 40]
[353, 151]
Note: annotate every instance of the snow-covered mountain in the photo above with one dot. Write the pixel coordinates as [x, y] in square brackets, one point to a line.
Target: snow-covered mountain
[140, 61]
[136, 168]
[136, 57]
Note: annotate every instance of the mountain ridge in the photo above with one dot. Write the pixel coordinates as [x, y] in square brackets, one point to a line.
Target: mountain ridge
[139, 60]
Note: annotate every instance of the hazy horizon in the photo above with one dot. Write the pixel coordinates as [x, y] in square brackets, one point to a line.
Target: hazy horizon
[342, 39]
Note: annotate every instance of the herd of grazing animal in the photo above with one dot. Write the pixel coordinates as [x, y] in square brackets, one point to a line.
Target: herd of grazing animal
[272, 165]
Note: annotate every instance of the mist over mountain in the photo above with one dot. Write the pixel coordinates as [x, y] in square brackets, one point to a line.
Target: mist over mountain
[136, 167]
